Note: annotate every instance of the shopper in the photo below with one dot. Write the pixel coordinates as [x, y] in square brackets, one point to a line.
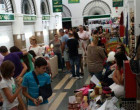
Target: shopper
[64, 39]
[85, 38]
[8, 88]
[80, 51]
[73, 45]
[33, 54]
[27, 59]
[57, 50]
[35, 47]
[96, 57]
[15, 58]
[30, 87]
[118, 75]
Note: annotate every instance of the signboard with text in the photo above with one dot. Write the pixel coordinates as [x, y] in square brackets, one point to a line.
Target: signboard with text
[117, 3]
[45, 17]
[29, 18]
[57, 6]
[74, 1]
[7, 17]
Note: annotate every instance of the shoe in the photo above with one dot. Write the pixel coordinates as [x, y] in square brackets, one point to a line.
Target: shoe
[80, 77]
[77, 77]
[71, 76]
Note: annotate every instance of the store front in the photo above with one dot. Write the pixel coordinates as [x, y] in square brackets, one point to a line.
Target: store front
[29, 19]
[45, 11]
[6, 19]
[66, 18]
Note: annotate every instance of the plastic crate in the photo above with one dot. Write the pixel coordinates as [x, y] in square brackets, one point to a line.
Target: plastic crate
[128, 104]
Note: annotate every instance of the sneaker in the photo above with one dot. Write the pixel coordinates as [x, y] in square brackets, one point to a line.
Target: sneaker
[71, 76]
[80, 77]
[77, 77]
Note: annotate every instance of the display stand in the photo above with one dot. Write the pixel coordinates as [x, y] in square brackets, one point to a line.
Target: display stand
[54, 65]
[132, 33]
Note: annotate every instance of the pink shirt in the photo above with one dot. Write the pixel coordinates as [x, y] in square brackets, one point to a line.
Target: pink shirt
[83, 35]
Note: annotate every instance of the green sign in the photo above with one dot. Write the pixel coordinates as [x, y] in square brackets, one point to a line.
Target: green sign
[74, 1]
[29, 17]
[45, 17]
[96, 16]
[57, 6]
[66, 19]
[117, 3]
[7, 17]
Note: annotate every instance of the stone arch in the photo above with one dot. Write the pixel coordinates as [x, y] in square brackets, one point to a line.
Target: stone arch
[66, 12]
[28, 7]
[8, 6]
[44, 8]
[96, 7]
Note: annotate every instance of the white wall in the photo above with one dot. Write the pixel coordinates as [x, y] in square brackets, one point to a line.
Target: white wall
[77, 10]
[6, 35]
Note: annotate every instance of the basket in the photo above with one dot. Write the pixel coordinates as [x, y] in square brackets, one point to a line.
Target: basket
[128, 104]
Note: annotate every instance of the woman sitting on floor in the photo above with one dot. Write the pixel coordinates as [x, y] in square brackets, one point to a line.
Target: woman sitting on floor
[118, 76]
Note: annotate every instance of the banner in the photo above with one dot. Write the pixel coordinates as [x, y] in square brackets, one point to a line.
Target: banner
[45, 17]
[7, 17]
[57, 6]
[74, 1]
[29, 18]
[117, 3]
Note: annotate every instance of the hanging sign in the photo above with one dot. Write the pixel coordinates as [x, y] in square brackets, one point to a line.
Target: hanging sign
[45, 17]
[29, 18]
[7, 17]
[74, 1]
[57, 6]
[117, 3]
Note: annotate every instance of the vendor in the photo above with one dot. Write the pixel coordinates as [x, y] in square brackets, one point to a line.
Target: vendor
[118, 75]
[35, 47]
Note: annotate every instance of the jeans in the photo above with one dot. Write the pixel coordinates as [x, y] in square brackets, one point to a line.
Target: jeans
[74, 61]
[60, 64]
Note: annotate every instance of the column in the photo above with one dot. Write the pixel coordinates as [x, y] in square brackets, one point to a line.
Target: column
[18, 32]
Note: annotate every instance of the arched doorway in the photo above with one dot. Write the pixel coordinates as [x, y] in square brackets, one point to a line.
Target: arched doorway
[96, 7]
[66, 18]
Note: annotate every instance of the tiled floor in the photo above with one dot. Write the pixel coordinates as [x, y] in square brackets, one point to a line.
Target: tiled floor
[63, 87]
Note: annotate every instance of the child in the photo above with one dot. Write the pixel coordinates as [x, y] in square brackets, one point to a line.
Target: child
[8, 88]
[30, 87]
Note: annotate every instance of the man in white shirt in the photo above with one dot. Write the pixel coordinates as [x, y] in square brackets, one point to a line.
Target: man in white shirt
[84, 37]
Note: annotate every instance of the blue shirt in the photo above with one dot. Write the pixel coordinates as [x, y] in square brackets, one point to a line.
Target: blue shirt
[30, 83]
[65, 39]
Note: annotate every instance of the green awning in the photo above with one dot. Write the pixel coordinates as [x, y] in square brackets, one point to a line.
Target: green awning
[96, 16]
[66, 19]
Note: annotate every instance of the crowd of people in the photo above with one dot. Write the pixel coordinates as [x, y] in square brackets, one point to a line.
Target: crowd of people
[78, 47]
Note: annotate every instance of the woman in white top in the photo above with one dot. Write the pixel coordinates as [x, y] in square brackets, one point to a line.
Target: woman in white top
[36, 48]
[8, 87]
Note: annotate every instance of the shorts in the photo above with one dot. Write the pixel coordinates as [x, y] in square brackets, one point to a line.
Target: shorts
[40, 107]
[66, 56]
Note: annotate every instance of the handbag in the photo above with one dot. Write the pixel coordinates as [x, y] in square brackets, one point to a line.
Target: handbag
[44, 91]
[135, 64]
